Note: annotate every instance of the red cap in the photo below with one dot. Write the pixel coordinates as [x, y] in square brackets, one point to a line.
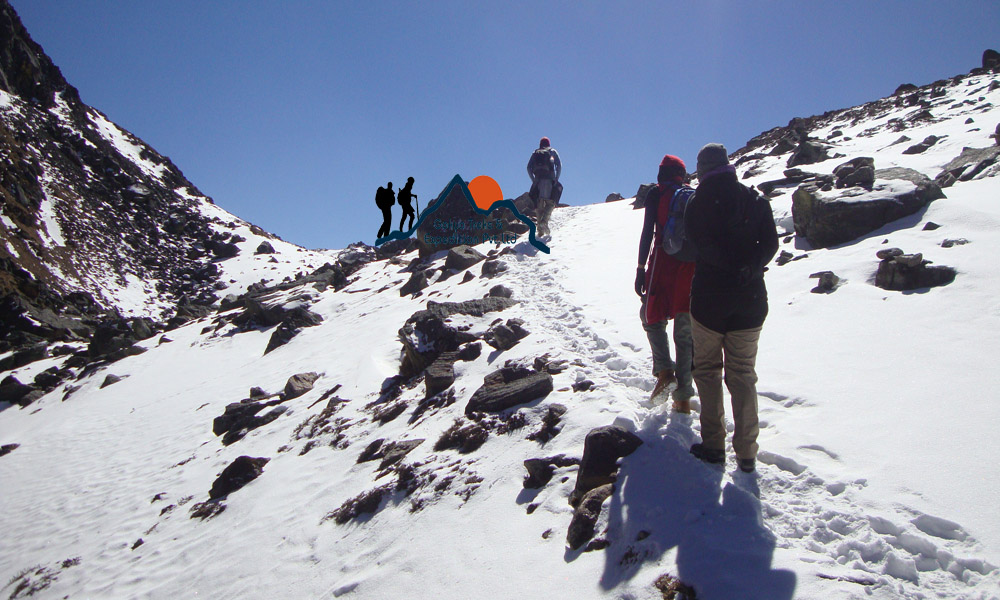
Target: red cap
[543, 143]
[673, 161]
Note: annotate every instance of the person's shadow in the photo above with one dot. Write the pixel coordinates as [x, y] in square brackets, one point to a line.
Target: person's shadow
[667, 499]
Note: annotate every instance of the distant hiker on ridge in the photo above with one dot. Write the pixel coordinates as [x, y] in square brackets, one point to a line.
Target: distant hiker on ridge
[403, 197]
[384, 199]
[663, 281]
[544, 168]
[732, 229]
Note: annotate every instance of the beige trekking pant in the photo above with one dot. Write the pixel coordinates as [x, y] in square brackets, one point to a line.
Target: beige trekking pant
[736, 352]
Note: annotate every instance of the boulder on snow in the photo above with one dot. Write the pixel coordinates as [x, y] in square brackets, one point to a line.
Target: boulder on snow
[922, 146]
[507, 388]
[902, 272]
[264, 247]
[972, 163]
[991, 59]
[581, 527]
[856, 172]
[640, 195]
[808, 152]
[505, 336]
[15, 392]
[416, 282]
[8, 448]
[601, 451]
[541, 470]
[240, 472]
[440, 374]
[615, 197]
[500, 291]
[827, 219]
[299, 384]
[462, 257]
[493, 267]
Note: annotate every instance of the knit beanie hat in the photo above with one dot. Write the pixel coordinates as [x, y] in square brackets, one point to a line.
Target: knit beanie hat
[671, 169]
[543, 143]
[712, 156]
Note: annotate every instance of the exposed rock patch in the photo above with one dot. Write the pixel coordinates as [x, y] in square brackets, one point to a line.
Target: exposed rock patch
[240, 472]
[508, 387]
[601, 451]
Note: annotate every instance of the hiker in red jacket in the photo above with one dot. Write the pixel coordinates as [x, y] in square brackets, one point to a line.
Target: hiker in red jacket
[663, 281]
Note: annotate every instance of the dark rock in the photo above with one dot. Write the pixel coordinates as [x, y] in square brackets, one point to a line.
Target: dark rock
[242, 427]
[857, 172]
[470, 351]
[550, 424]
[505, 336]
[207, 509]
[640, 195]
[299, 384]
[50, 378]
[996, 134]
[110, 336]
[8, 448]
[831, 220]
[265, 247]
[223, 250]
[240, 472]
[952, 243]
[784, 146]
[492, 268]
[507, 388]
[615, 197]
[581, 527]
[425, 335]
[583, 386]
[282, 334]
[464, 438]
[991, 59]
[462, 257]
[24, 356]
[931, 226]
[362, 504]
[922, 146]
[394, 452]
[416, 283]
[970, 164]
[911, 272]
[468, 277]
[541, 470]
[386, 413]
[110, 380]
[905, 88]
[395, 248]
[372, 451]
[440, 374]
[13, 391]
[808, 152]
[828, 282]
[601, 451]
[500, 291]
[256, 392]
[889, 253]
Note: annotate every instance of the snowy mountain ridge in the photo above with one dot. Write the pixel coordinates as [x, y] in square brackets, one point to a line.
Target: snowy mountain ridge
[374, 468]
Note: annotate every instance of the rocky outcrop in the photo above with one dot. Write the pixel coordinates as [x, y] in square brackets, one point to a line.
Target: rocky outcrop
[898, 271]
[830, 218]
[972, 163]
[508, 387]
[858, 172]
[425, 335]
[240, 472]
[588, 511]
[504, 336]
[601, 451]
[462, 257]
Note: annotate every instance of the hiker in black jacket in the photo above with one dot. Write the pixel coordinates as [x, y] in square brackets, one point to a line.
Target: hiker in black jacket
[384, 199]
[544, 168]
[732, 229]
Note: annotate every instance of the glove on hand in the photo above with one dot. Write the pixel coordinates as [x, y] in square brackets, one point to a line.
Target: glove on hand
[640, 281]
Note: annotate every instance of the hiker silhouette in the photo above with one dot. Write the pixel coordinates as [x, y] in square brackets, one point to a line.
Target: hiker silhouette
[384, 199]
[404, 196]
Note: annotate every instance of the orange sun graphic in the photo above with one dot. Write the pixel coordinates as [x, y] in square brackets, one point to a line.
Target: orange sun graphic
[485, 191]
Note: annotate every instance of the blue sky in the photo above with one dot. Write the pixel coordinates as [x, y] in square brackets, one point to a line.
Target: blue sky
[290, 114]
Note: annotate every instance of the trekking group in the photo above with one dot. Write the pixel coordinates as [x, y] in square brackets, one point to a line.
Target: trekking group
[702, 256]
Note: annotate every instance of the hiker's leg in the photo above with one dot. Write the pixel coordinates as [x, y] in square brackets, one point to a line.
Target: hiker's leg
[656, 333]
[685, 355]
[707, 373]
[741, 379]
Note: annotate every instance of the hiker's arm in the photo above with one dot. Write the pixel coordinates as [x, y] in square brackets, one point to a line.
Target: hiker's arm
[648, 222]
[531, 173]
[558, 163]
[767, 236]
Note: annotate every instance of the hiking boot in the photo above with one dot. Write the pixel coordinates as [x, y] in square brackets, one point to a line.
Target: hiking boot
[714, 457]
[682, 401]
[666, 382]
[747, 465]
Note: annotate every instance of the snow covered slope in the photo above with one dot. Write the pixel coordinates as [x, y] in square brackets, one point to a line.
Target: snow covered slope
[877, 474]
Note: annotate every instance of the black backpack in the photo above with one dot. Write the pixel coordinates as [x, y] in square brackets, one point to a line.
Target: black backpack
[543, 164]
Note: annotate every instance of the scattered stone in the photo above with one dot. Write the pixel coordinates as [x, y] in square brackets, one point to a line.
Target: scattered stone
[24, 356]
[640, 195]
[300, 384]
[507, 388]
[950, 243]
[857, 172]
[910, 272]
[440, 374]
[972, 163]
[8, 448]
[905, 88]
[137, 543]
[462, 257]
[922, 146]
[500, 291]
[581, 527]
[14, 392]
[470, 351]
[991, 59]
[468, 277]
[615, 197]
[365, 503]
[464, 438]
[417, 282]
[828, 282]
[506, 336]
[886, 253]
[931, 226]
[282, 334]
[387, 413]
[601, 451]
[541, 470]
[550, 424]
[110, 380]
[672, 588]
[394, 452]
[257, 393]
[808, 152]
[583, 386]
[492, 268]
[240, 472]
[265, 247]
[207, 509]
